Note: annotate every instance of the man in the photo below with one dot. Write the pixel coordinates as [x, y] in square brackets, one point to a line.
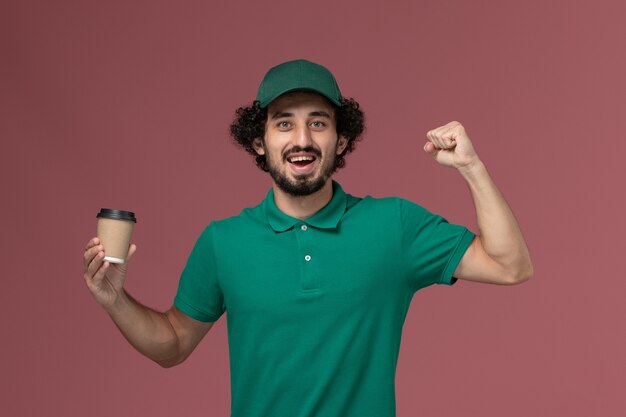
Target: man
[316, 283]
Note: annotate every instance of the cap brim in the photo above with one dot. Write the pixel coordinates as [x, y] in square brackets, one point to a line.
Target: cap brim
[268, 101]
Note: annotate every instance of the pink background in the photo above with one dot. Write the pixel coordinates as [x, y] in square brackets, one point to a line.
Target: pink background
[127, 105]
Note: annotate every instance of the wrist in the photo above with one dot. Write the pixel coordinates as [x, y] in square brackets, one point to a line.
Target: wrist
[118, 305]
[473, 169]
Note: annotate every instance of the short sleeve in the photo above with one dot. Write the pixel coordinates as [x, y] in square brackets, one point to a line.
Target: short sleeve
[199, 294]
[432, 247]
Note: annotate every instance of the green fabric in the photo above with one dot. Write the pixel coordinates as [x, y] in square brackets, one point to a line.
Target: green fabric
[298, 75]
[317, 337]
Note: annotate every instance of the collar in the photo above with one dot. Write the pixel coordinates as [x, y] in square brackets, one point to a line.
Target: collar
[326, 218]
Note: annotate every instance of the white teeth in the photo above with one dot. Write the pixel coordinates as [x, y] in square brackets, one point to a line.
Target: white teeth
[300, 158]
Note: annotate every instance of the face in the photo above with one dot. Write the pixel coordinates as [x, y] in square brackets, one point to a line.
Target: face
[301, 142]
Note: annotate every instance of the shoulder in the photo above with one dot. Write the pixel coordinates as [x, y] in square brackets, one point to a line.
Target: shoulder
[224, 232]
[247, 217]
[392, 204]
[391, 212]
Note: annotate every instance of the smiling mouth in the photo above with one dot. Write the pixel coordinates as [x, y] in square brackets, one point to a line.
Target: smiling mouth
[301, 161]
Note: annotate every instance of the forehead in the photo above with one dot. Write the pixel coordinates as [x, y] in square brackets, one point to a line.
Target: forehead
[300, 100]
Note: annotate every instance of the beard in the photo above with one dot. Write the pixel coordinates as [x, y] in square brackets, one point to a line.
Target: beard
[301, 185]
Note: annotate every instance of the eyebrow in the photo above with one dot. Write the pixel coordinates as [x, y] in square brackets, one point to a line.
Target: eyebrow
[313, 113]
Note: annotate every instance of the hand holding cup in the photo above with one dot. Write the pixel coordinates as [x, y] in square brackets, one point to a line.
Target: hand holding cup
[104, 279]
[106, 256]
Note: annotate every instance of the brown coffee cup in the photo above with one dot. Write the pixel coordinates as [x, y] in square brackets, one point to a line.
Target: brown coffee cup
[115, 228]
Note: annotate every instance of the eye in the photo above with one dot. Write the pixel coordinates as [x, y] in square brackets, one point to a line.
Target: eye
[283, 124]
[318, 124]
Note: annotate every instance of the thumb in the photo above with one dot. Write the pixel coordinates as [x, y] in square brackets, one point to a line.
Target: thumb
[131, 252]
[430, 149]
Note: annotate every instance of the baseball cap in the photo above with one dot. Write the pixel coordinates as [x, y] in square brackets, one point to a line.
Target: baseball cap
[298, 75]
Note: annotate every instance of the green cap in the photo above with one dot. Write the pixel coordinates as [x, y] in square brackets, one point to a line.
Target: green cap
[298, 75]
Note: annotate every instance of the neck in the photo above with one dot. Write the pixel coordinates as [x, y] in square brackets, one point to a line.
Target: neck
[303, 207]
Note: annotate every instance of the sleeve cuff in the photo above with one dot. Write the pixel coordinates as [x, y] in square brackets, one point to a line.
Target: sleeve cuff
[464, 241]
[193, 312]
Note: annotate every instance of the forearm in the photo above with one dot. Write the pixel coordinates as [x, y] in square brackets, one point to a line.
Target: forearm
[499, 231]
[147, 330]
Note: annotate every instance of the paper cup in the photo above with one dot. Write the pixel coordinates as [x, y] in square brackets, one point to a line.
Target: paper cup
[115, 228]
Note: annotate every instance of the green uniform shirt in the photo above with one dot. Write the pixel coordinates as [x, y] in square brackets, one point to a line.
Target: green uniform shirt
[315, 307]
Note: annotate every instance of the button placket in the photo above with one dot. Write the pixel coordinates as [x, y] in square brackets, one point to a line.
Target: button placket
[305, 239]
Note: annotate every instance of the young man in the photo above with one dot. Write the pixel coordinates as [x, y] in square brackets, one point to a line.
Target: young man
[316, 283]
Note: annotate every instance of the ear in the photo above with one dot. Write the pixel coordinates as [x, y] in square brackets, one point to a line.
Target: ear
[342, 143]
[257, 144]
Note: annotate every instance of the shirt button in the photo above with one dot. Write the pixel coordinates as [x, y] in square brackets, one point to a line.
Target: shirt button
[307, 258]
[303, 227]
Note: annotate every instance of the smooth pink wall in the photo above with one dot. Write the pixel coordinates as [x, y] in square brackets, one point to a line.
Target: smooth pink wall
[127, 105]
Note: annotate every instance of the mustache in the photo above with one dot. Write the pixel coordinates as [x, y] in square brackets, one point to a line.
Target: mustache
[308, 149]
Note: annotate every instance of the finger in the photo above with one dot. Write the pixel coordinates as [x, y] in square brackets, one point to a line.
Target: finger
[89, 254]
[94, 241]
[131, 251]
[432, 138]
[430, 148]
[448, 139]
[445, 137]
[100, 273]
[437, 140]
[94, 265]
[456, 130]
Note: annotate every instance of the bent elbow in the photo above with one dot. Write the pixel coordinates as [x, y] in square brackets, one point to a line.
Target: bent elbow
[167, 363]
[520, 275]
[171, 361]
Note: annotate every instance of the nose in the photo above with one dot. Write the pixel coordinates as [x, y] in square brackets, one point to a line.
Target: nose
[303, 136]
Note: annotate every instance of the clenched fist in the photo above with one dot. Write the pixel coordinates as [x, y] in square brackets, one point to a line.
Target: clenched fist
[451, 146]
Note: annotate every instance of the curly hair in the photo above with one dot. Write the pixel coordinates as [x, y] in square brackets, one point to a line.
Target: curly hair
[249, 124]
